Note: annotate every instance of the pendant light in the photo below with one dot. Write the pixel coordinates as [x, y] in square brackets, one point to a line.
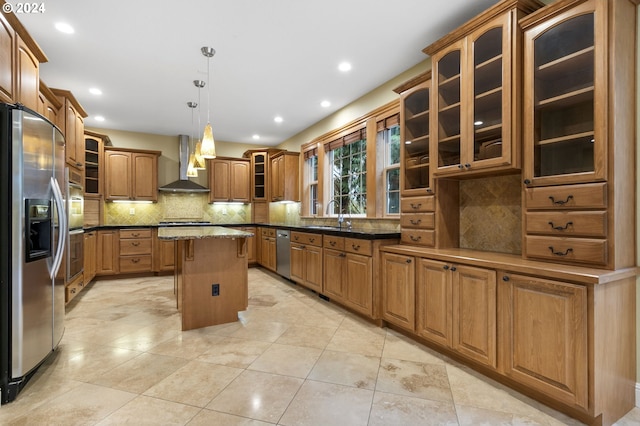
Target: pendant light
[208, 148]
[191, 170]
[199, 163]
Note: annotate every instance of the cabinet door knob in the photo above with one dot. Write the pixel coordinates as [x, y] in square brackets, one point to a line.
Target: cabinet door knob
[467, 165]
[453, 268]
[408, 260]
[505, 278]
[445, 267]
[527, 181]
[460, 166]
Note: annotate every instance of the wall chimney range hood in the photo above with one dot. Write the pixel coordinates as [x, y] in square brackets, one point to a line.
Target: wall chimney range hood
[183, 184]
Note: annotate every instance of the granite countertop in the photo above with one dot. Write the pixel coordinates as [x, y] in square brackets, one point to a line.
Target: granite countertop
[365, 234]
[199, 232]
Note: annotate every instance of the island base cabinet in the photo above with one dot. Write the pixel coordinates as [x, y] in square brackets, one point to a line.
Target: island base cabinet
[545, 337]
[212, 281]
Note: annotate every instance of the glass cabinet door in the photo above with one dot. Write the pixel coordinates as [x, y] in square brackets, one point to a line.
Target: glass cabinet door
[487, 95]
[563, 140]
[415, 141]
[259, 165]
[448, 107]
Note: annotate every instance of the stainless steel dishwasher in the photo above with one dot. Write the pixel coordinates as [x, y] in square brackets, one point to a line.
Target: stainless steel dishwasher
[283, 253]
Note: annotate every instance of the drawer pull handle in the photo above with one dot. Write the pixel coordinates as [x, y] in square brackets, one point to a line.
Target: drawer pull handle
[416, 206]
[135, 243]
[136, 260]
[415, 222]
[312, 239]
[560, 202]
[296, 238]
[136, 234]
[561, 228]
[559, 253]
[332, 243]
[414, 238]
[355, 246]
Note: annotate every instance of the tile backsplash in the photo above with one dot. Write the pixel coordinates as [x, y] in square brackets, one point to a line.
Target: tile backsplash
[491, 214]
[176, 207]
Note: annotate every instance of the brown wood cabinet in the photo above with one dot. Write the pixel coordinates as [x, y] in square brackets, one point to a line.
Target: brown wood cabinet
[50, 105]
[285, 174]
[476, 93]
[20, 59]
[135, 249]
[90, 256]
[306, 260]
[349, 265]
[108, 252]
[268, 248]
[229, 179]
[131, 175]
[163, 254]
[578, 130]
[546, 337]
[72, 125]
[398, 290]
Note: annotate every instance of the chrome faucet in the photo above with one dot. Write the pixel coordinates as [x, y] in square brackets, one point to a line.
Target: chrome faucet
[340, 216]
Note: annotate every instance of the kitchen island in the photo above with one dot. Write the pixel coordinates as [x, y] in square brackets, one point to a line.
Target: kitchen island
[211, 273]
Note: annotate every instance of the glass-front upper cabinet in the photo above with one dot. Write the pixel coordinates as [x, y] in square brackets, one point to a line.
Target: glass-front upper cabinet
[564, 129]
[415, 158]
[476, 95]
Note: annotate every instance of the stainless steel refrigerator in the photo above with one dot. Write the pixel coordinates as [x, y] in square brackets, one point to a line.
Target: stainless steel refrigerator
[32, 240]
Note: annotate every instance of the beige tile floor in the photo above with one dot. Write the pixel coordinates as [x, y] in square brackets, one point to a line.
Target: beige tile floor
[292, 359]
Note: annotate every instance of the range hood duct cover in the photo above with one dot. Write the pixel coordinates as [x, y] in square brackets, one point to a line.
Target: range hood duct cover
[183, 184]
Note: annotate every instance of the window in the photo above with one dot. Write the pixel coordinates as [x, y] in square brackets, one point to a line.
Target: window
[311, 179]
[348, 173]
[388, 144]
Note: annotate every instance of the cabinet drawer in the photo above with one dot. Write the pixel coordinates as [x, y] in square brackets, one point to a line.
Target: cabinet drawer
[580, 223]
[420, 237]
[308, 239]
[135, 233]
[354, 245]
[582, 250]
[135, 246]
[418, 220]
[592, 195]
[333, 242]
[418, 204]
[135, 263]
[268, 232]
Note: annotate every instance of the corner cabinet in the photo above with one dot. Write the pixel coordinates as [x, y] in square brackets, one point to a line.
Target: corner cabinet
[131, 175]
[285, 175]
[229, 180]
[476, 93]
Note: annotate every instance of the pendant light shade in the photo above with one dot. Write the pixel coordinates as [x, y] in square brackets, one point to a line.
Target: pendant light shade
[208, 147]
[191, 171]
[198, 163]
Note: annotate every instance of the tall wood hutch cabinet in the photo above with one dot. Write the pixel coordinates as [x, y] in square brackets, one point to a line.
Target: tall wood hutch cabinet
[545, 95]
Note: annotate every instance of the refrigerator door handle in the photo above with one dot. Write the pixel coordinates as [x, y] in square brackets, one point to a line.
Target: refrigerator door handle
[62, 226]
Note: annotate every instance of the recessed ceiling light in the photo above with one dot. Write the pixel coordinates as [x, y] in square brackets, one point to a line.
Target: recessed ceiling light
[278, 119]
[344, 66]
[95, 91]
[325, 104]
[98, 118]
[256, 137]
[64, 28]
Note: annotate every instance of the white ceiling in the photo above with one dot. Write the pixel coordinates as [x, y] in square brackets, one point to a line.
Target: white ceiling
[274, 57]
